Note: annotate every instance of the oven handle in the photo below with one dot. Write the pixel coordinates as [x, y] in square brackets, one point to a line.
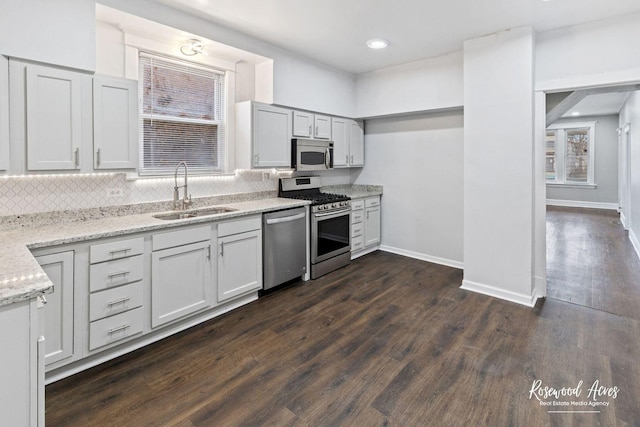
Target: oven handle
[327, 158]
[320, 215]
[285, 219]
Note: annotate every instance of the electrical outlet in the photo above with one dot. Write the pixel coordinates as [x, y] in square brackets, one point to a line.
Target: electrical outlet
[115, 192]
[266, 176]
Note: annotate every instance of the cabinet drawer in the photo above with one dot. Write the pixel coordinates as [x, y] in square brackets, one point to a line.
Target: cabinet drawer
[357, 243]
[357, 216]
[180, 237]
[374, 201]
[236, 226]
[357, 229]
[115, 273]
[113, 301]
[357, 204]
[115, 328]
[115, 250]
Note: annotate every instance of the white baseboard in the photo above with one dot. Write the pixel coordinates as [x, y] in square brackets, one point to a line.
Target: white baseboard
[623, 220]
[580, 204]
[634, 242]
[423, 257]
[540, 288]
[528, 300]
[364, 251]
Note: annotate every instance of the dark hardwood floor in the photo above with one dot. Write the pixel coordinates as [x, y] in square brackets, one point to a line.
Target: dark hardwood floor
[591, 262]
[387, 340]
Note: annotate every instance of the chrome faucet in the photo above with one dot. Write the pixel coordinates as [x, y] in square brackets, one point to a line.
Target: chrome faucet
[186, 200]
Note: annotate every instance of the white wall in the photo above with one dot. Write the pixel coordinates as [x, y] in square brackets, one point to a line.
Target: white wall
[499, 165]
[606, 166]
[429, 84]
[60, 32]
[592, 54]
[297, 81]
[630, 114]
[418, 160]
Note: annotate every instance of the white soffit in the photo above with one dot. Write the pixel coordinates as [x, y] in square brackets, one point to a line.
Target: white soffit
[335, 31]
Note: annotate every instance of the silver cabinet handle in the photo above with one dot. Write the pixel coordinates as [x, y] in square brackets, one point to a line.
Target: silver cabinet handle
[42, 300]
[316, 130]
[98, 157]
[118, 301]
[209, 252]
[77, 157]
[309, 130]
[119, 273]
[221, 248]
[327, 158]
[352, 158]
[118, 329]
[119, 250]
[257, 159]
[346, 159]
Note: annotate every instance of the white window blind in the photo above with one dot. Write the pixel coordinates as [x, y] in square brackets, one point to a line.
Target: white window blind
[182, 117]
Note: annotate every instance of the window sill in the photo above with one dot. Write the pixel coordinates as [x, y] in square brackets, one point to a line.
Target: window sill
[572, 185]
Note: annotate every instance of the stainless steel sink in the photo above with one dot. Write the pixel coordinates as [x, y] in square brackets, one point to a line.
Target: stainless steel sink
[195, 213]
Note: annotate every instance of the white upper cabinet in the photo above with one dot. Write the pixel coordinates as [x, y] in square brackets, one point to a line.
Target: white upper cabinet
[115, 123]
[263, 136]
[302, 124]
[348, 143]
[356, 144]
[4, 113]
[322, 127]
[309, 125]
[54, 118]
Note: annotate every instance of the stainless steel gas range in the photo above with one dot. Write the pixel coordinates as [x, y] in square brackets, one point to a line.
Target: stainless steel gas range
[330, 223]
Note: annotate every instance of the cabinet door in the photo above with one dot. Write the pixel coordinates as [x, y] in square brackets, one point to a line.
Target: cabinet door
[340, 132]
[302, 124]
[180, 282]
[54, 118]
[4, 113]
[372, 226]
[58, 312]
[115, 123]
[356, 144]
[271, 137]
[322, 127]
[239, 264]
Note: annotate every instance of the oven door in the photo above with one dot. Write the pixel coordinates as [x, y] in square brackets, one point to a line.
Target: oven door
[330, 234]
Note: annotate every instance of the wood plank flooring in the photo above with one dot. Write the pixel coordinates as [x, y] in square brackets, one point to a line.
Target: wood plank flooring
[591, 262]
[385, 341]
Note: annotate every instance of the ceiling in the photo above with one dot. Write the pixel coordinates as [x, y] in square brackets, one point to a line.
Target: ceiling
[335, 31]
[598, 105]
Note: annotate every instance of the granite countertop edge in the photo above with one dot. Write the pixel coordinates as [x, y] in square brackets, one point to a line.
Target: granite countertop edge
[22, 278]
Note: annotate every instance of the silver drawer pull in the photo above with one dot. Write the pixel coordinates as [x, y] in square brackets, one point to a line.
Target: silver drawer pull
[118, 329]
[116, 251]
[118, 301]
[119, 273]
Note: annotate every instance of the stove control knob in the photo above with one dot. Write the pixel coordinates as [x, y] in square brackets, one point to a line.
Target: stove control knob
[334, 205]
[321, 207]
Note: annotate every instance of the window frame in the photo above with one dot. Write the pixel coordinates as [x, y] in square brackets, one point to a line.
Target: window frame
[561, 153]
[220, 123]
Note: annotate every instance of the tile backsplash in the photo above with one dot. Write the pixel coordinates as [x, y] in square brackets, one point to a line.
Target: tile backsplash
[45, 193]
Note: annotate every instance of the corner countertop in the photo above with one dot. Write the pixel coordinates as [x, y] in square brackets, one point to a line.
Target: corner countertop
[22, 278]
[354, 191]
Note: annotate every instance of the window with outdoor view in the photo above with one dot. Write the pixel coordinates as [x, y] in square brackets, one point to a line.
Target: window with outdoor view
[570, 154]
[182, 116]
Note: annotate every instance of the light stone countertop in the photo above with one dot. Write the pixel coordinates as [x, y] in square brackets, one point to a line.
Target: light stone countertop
[354, 191]
[22, 278]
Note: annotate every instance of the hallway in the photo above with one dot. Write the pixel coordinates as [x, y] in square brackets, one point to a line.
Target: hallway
[591, 262]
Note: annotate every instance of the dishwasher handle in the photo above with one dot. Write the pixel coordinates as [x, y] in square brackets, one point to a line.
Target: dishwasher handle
[285, 219]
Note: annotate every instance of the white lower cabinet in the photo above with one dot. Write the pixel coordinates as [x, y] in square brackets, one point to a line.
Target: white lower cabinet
[239, 257]
[59, 311]
[21, 365]
[180, 275]
[365, 225]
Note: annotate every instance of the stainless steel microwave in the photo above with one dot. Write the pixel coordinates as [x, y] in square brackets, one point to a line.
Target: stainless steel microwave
[311, 155]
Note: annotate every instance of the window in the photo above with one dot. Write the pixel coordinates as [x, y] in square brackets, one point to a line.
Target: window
[182, 116]
[570, 153]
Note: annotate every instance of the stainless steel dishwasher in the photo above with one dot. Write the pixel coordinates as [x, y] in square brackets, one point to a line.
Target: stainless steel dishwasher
[284, 246]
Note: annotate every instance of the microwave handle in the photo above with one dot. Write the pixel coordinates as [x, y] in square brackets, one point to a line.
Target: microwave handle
[327, 158]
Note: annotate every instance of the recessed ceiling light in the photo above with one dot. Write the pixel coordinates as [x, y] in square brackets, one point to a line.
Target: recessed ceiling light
[575, 113]
[377, 43]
